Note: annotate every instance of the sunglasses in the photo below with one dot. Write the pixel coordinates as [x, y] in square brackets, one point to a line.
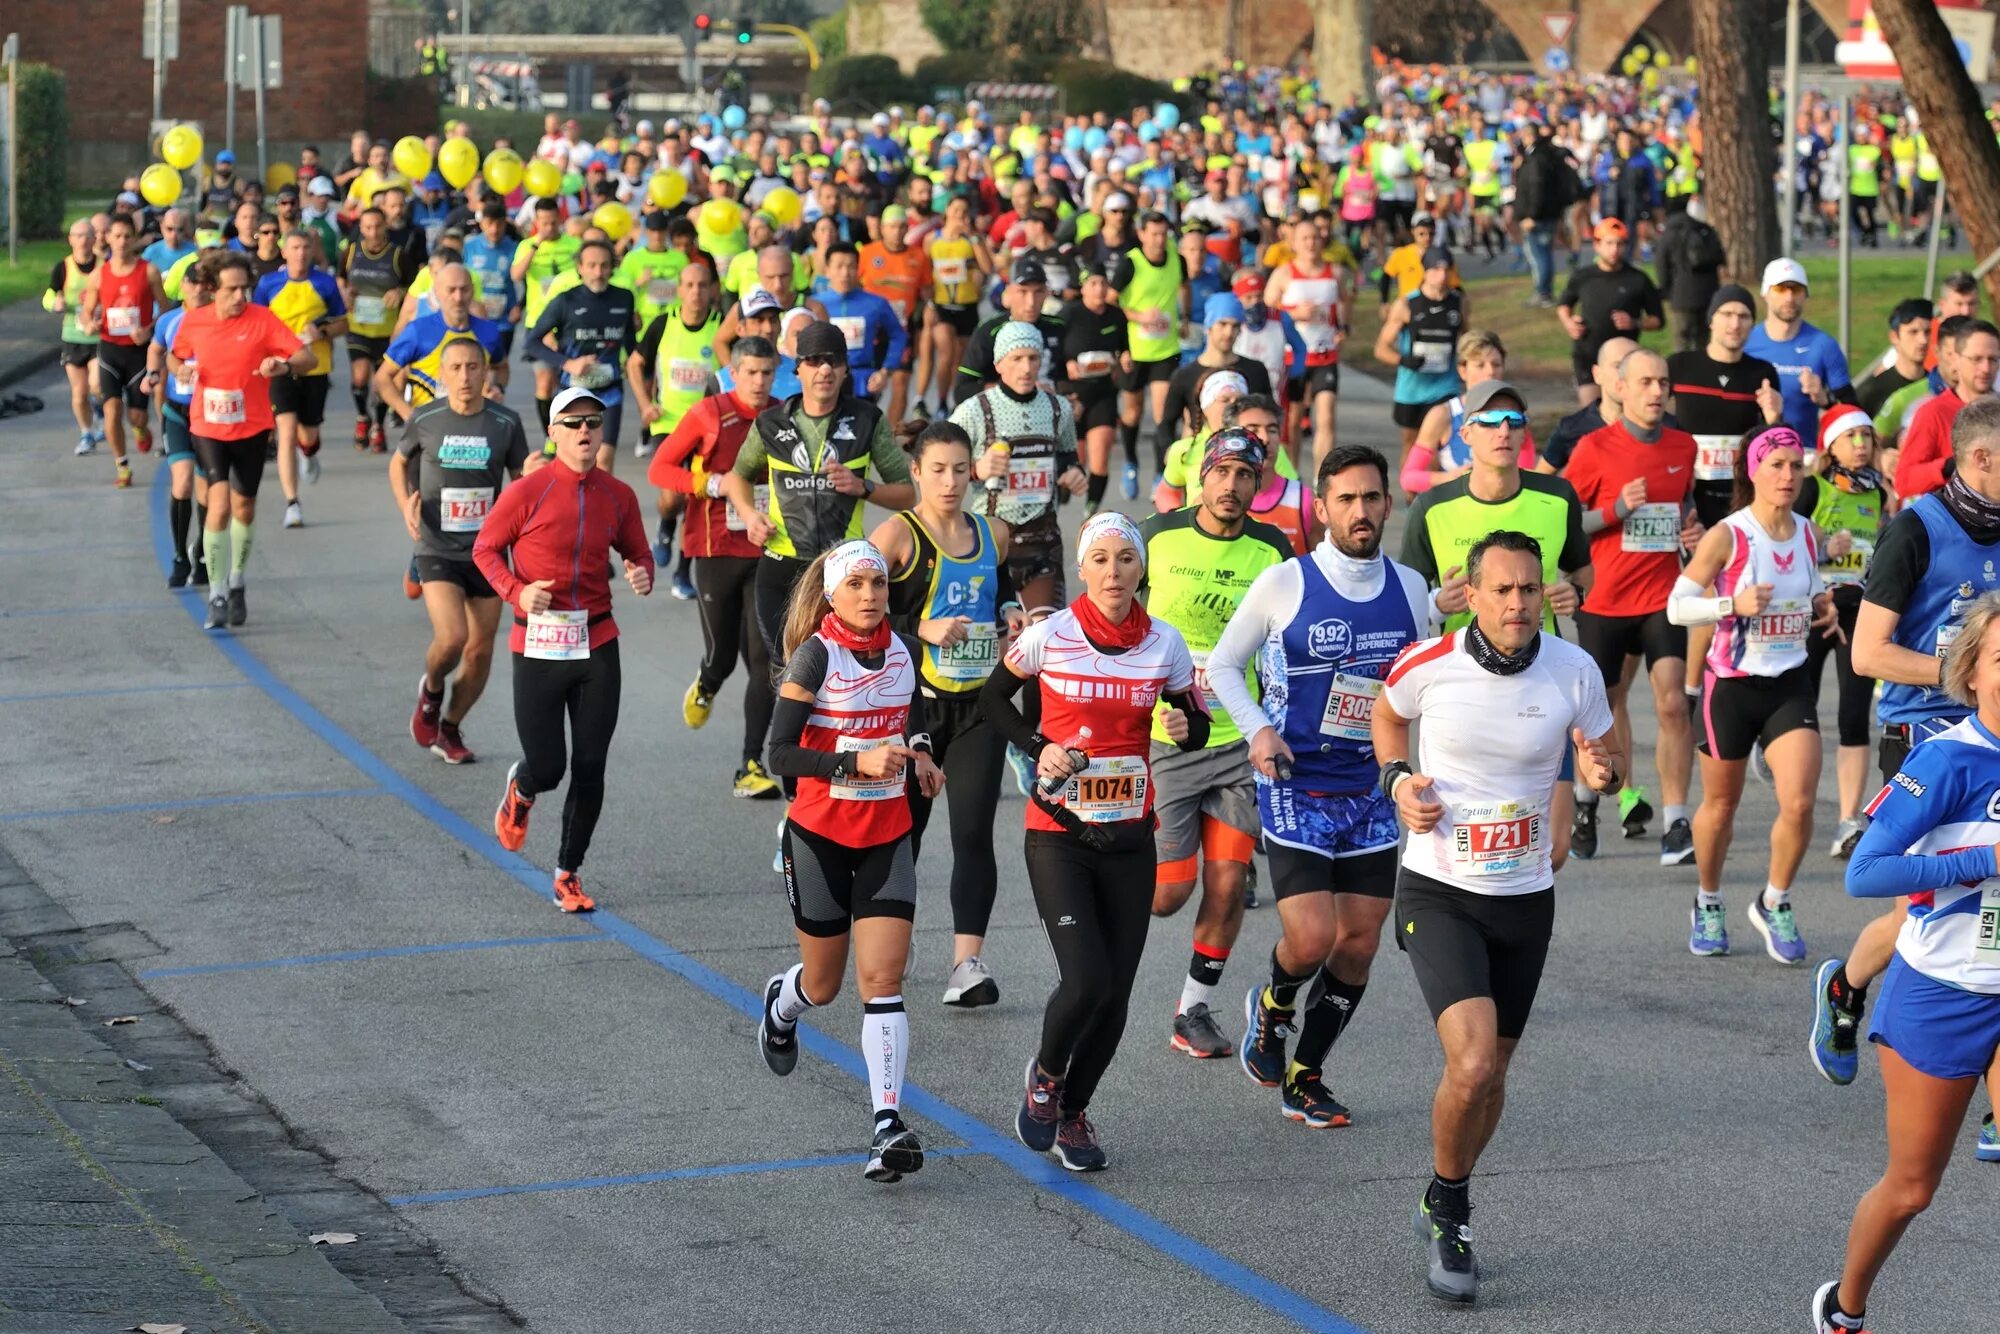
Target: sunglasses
[587, 423]
[823, 360]
[1506, 417]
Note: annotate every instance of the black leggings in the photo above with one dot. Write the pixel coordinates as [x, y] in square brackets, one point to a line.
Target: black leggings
[1857, 693]
[1095, 909]
[776, 576]
[725, 594]
[972, 754]
[587, 691]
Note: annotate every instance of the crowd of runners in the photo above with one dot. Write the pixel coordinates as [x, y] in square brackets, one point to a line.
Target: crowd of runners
[858, 475]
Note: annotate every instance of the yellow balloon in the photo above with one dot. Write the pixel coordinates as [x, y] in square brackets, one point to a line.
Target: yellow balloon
[614, 218]
[411, 157]
[1662, 59]
[784, 206]
[458, 162]
[503, 170]
[542, 179]
[279, 175]
[181, 147]
[161, 185]
[667, 189]
[719, 217]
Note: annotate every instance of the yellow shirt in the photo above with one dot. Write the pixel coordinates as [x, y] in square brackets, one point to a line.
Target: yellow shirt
[1406, 265]
[954, 272]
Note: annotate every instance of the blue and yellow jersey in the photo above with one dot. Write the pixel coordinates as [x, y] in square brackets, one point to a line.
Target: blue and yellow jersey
[419, 347]
[299, 302]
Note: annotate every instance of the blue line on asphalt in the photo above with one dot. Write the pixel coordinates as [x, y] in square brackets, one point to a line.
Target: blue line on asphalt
[191, 804]
[649, 1178]
[1039, 1170]
[24, 612]
[355, 956]
[105, 692]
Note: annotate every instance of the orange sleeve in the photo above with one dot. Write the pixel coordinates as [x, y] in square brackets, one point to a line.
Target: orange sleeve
[668, 470]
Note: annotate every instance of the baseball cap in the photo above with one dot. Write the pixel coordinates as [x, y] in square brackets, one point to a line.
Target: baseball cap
[320, 185]
[879, 118]
[1610, 229]
[820, 339]
[226, 156]
[1423, 220]
[895, 213]
[1028, 272]
[131, 200]
[1437, 257]
[1481, 396]
[572, 396]
[757, 301]
[434, 181]
[643, 127]
[1118, 202]
[1781, 271]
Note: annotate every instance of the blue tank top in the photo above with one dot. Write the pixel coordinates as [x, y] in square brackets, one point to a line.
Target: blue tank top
[1321, 679]
[163, 334]
[1454, 453]
[1936, 608]
[1432, 335]
[965, 588]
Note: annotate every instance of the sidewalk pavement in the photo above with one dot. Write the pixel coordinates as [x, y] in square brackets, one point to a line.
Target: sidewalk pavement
[111, 1213]
[28, 343]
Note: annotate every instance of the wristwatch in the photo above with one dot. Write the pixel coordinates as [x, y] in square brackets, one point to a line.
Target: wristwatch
[868, 485]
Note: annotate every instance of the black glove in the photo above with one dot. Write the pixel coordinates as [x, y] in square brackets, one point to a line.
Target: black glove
[1411, 362]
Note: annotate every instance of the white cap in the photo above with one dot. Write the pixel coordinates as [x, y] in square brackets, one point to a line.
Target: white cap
[644, 127]
[1781, 271]
[576, 393]
[756, 301]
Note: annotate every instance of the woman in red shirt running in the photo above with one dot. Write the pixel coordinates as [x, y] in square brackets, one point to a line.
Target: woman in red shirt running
[849, 726]
[1105, 667]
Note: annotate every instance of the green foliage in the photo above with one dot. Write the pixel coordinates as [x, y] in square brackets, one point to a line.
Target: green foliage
[830, 35]
[958, 68]
[861, 83]
[1090, 86]
[959, 25]
[584, 16]
[1052, 29]
[44, 134]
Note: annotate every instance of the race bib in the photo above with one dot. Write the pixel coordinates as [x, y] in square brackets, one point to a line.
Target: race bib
[370, 310]
[595, 376]
[1780, 628]
[121, 321]
[1350, 707]
[1495, 837]
[184, 382]
[1947, 635]
[687, 375]
[1436, 356]
[1111, 788]
[734, 521]
[1208, 695]
[853, 329]
[1987, 939]
[559, 636]
[972, 658]
[857, 787]
[1093, 363]
[1155, 323]
[659, 291]
[1850, 568]
[224, 407]
[1030, 481]
[1652, 529]
[1714, 458]
[950, 272]
[462, 509]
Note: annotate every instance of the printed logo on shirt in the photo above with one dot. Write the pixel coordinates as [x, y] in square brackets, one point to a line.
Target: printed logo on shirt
[1993, 806]
[464, 451]
[1330, 640]
[1916, 789]
[1784, 561]
[844, 430]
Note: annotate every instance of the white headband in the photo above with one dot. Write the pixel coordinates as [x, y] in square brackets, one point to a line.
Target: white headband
[845, 559]
[1109, 523]
[1216, 385]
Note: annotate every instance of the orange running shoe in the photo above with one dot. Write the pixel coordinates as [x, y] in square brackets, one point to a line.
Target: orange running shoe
[124, 477]
[510, 820]
[569, 893]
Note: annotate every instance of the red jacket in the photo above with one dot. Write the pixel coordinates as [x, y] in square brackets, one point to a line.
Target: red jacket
[560, 524]
[713, 429]
[1927, 446]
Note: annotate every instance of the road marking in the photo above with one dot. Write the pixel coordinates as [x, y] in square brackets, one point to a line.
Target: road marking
[192, 804]
[1039, 1170]
[122, 690]
[649, 1178]
[355, 956]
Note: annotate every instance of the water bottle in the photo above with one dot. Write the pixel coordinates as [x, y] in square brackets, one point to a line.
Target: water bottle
[1078, 750]
[998, 481]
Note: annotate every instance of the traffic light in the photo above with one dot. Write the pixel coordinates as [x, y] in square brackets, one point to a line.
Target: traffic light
[703, 24]
[743, 34]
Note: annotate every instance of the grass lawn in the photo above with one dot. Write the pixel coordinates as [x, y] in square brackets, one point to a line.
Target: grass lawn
[26, 281]
[523, 127]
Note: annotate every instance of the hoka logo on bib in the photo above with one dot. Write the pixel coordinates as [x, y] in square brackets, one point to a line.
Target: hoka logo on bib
[1330, 640]
[464, 451]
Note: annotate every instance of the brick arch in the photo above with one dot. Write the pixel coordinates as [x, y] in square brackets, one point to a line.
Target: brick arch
[1603, 30]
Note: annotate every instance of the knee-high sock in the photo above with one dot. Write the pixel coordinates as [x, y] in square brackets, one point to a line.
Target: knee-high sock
[180, 510]
[792, 1001]
[885, 1045]
[1128, 436]
[239, 551]
[1329, 1010]
[215, 551]
[360, 392]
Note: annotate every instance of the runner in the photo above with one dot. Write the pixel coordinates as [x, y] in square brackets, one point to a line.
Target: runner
[960, 263]
[585, 332]
[1419, 337]
[119, 304]
[466, 448]
[1596, 415]
[1313, 294]
[1812, 370]
[1094, 357]
[1928, 445]
[373, 277]
[899, 273]
[489, 255]
[1603, 301]
[1439, 452]
[1104, 667]
[872, 328]
[1282, 502]
[1222, 319]
[540, 550]
[407, 378]
[693, 461]
[1755, 577]
[846, 705]
[1022, 300]
[1937, 1028]
[1320, 632]
[174, 395]
[308, 300]
[1148, 282]
[961, 609]
[545, 254]
[232, 350]
[64, 296]
[672, 368]
[1475, 897]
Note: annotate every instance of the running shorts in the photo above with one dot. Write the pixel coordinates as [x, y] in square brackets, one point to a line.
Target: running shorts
[1095, 412]
[831, 884]
[963, 320]
[237, 462]
[304, 395]
[78, 354]
[1144, 373]
[1036, 563]
[176, 440]
[1323, 380]
[1410, 416]
[1323, 842]
[1942, 1031]
[1898, 738]
[121, 373]
[1739, 713]
[1192, 789]
[1465, 946]
[444, 570]
[1612, 639]
[360, 346]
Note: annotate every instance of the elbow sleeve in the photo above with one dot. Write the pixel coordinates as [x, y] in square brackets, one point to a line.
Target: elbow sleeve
[1690, 606]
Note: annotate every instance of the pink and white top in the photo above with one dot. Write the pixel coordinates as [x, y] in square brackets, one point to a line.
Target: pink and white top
[1773, 642]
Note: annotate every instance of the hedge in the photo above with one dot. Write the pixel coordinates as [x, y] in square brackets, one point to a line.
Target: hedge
[1090, 86]
[44, 157]
[866, 83]
[829, 34]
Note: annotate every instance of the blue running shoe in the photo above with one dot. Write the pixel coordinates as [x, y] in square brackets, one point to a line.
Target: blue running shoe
[683, 587]
[1987, 1149]
[1035, 1124]
[1710, 934]
[1130, 486]
[1780, 931]
[1833, 1044]
[1265, 1028]
[1024, 770]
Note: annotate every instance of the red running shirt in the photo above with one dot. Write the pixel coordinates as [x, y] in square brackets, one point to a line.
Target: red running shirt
[1638, 560]
[231, 401]
[713, 430]
[125, 304]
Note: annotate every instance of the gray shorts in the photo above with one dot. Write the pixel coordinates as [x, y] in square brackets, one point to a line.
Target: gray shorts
[1214, 781]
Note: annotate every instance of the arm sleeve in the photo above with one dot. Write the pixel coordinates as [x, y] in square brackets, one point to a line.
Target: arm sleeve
[996, 704]
[1880, 867]
[669, 471]
[1576, 546]
[631, 541]
[891, 463]
[975, 368]
[1837, 378]
[58, 278]
[1569, 296]
[1190, 702]
[1417, 553]
[1294, 341]
[1416, 477]
[551, 318]
[1271, 596]
[1121, 273]
[1925, 451]
[1649, 301]
[790, 758]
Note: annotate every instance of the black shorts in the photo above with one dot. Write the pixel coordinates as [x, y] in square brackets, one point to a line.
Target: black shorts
[1580, 365]
[1296, 871]
[1396, 212]
[432, 569]
[1410, 416]
[964, 320]
[1739, 713]
[1099, 411]
[506, 347]
[78, 354]
[1465, 945]
[121, 373]
[363, 346]
[1321, 380]
[1144, 373]
[831, 884]
[1036, 563]
[237, 462]
[302, 395]
[1612, 639]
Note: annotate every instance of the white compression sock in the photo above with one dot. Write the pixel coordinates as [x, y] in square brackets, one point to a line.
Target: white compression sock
[885, 1045]
[792, 1002]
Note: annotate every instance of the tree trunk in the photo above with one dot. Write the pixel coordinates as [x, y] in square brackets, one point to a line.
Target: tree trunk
[1340, 48]
[1738, 161]
[1935, 81]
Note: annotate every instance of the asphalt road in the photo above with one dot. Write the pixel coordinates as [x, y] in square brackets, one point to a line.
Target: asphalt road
[575, 1111]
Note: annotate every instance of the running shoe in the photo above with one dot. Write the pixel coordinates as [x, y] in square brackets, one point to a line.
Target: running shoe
[1035, 1123]
[510, 818]
[569, 893]
[696, 705]
[239, 610]
[86, 444]
[200, 577]
[124, 476]
[971, 985]
[1077, 1147]
[295, 517]
[1024, 769]
[662, 553]
[1708, 935]
[1824, 1319]
[450, 745]
[378, 442]
[753, 782]
[1583, 832]
[894, 1154]
[1305, 1099]
[1634, 811]
[1130, 484]
[1987, 1147]
[311, 467]
[1677, 844]
[1454, 1273]
[1265, 1028]
[1845, 837]
[1833, 1046]
[780, 1046]
[681, 587]
[642, 448]
[218, 612]
[1196, 1034]
[1780, 930]
[143, 442]
[361, 433]
[424, 720]
[183, 571]
[413, 587]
